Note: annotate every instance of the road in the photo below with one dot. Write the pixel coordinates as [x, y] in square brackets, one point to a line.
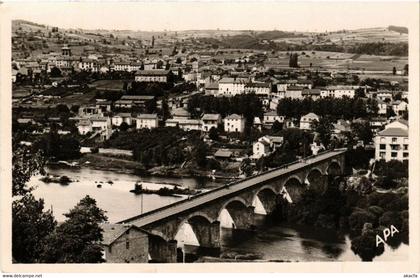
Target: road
[200, 199]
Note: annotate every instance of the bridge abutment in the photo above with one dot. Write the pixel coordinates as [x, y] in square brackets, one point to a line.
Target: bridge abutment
[162, 251]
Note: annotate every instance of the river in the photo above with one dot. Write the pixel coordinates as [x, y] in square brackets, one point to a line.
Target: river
[286, 242]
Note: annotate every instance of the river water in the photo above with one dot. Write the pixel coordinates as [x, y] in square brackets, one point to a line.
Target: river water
[284, 242]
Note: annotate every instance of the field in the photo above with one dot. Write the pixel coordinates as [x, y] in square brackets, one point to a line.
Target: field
[108, 85]
[343, 61]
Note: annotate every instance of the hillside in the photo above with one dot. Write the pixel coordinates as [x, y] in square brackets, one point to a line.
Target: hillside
[29, 37]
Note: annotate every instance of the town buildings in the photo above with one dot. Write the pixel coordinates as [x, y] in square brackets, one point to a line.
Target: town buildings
[307, 120]
[152, 75]
[210, 121]
[124, 244]
[392, 142]
[147, 121]
[266, 145]
[231, 86]
[234, 123]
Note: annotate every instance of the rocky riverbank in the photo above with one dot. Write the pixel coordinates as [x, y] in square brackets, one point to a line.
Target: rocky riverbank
[127, 166]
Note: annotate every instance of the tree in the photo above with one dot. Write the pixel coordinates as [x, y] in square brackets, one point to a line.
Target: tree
[390, 112]
[77, 239]
[25, 165]
[363, 132]
[324, 128]
[123, 126]
[293, 60]
[360, 92]
[159, 64]
[165, 109]
[30, 224]
[214, 134]
[55, 72]
[200, 154]
[277, 126]
[406, 69]
[365, 245]
[30, 227]
[246, 167]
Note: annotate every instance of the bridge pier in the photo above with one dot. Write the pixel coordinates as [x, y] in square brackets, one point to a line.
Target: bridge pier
[243, 218]
[162, 251]
[208, 234]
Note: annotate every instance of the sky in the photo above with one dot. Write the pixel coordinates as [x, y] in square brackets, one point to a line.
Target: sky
[176, 15]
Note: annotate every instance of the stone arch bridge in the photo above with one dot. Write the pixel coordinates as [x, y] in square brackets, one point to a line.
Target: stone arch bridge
[202, 212]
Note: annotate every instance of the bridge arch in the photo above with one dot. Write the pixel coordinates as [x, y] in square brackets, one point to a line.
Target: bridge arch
[236, 213]
[316, 180]
[294, 188]
[265, 200]
[198, 230]
[334, 168]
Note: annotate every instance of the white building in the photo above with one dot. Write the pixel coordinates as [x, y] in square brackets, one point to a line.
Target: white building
[120, 118]
[126, 66]
[89, 65]
[392, 142]
[271, 117]
[84, 126]
[258, 88]
[147, 121]
[234, 123]
[210, 120]
[230, 86]
[339, 91]
[266, 145]
[184, 124]
[399, 106]
[102, 126]
[294, 92]
[382, 107]
[156, 75]
[384, 95]
[307, 120]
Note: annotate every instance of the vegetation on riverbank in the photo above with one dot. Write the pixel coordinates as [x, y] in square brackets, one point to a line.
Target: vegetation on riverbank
[358, 206]
[175, 191]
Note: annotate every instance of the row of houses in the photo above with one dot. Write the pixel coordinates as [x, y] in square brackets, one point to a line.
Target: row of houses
[231, 86]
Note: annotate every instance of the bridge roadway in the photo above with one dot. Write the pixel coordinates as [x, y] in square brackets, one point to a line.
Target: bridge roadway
[228, 189]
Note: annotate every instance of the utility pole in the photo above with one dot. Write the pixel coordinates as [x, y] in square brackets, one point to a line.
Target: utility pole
[141, 203]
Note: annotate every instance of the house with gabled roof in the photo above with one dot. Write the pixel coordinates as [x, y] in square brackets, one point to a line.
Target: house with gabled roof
[234, 123]
[124, 243]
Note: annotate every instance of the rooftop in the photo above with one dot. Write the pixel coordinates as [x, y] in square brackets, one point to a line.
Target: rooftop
[152, 72]
[392, 131]
[210, 117]
[223, 153]
[228, 80]
[147, 116]
[234, 116]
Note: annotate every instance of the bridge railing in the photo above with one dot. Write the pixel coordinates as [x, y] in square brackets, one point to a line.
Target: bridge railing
[196, 196]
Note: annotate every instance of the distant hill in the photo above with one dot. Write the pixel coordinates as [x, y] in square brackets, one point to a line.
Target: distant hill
[29, 37]
[398, 29]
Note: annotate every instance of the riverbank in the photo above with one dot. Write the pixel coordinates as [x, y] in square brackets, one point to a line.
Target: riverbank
[131, 167]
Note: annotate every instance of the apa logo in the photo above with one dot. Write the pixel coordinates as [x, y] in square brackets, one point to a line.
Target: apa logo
[386, 233]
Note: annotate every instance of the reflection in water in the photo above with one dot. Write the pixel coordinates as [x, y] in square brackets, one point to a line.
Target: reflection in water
[278, 242]
[114, 197]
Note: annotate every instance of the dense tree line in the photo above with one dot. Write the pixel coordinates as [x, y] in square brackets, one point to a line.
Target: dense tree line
[58, 147]
[161, 146]
[344, 108]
